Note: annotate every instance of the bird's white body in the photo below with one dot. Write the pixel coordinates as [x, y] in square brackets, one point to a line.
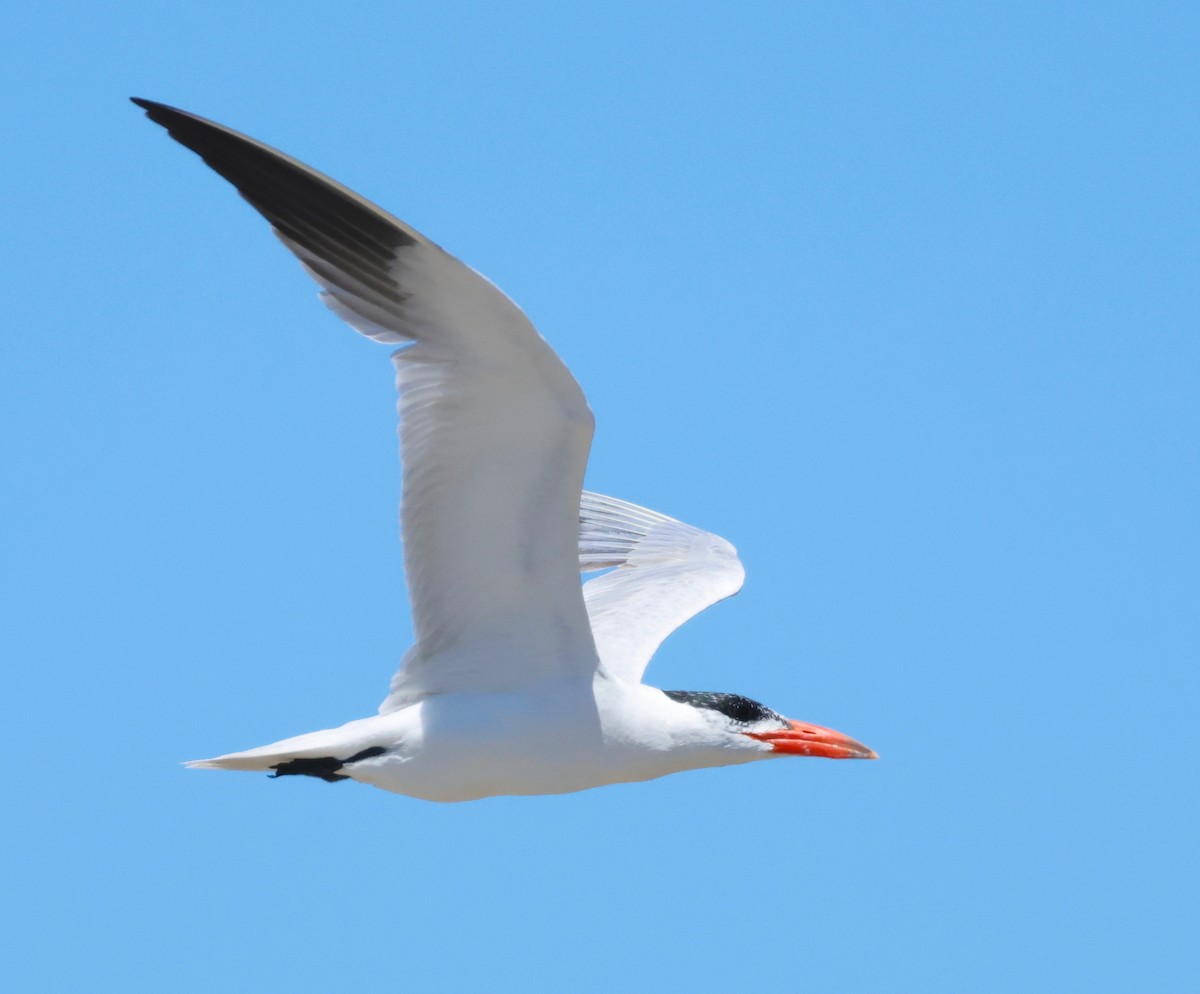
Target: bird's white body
[520, 680]
[559, 737]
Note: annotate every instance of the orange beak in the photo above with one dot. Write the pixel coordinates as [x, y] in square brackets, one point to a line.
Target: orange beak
[801, 739]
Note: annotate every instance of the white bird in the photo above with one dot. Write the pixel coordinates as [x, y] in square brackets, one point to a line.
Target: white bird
[521, 681]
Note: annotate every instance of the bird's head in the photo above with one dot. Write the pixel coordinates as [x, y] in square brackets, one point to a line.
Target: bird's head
[779, 734]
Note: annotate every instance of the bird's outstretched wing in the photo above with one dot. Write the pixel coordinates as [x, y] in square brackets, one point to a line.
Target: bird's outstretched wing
[665, 573]
[494, 430]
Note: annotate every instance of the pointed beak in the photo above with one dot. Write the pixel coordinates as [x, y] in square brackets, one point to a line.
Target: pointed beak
[803, 739]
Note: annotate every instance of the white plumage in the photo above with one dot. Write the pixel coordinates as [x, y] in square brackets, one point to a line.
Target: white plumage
[520, 681]
[667, 572]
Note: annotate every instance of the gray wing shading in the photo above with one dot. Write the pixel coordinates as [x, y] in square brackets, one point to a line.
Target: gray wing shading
[494, 430]
[664, 573]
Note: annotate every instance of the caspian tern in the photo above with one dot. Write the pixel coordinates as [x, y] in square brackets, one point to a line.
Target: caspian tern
[521, 680]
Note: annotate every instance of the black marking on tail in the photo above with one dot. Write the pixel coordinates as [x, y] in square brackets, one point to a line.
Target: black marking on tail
[323, 767]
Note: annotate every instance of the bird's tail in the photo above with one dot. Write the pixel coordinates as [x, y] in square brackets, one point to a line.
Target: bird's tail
[321, 754]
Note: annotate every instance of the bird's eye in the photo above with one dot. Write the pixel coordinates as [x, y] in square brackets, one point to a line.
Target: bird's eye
[745, 710]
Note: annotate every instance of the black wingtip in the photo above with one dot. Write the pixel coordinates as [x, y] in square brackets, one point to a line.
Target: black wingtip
[159, 113]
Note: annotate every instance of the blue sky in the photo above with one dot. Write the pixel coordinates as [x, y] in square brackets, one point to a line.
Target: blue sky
[901, 299]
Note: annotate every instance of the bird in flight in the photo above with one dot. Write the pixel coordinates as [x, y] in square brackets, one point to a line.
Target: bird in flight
[521, 680]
